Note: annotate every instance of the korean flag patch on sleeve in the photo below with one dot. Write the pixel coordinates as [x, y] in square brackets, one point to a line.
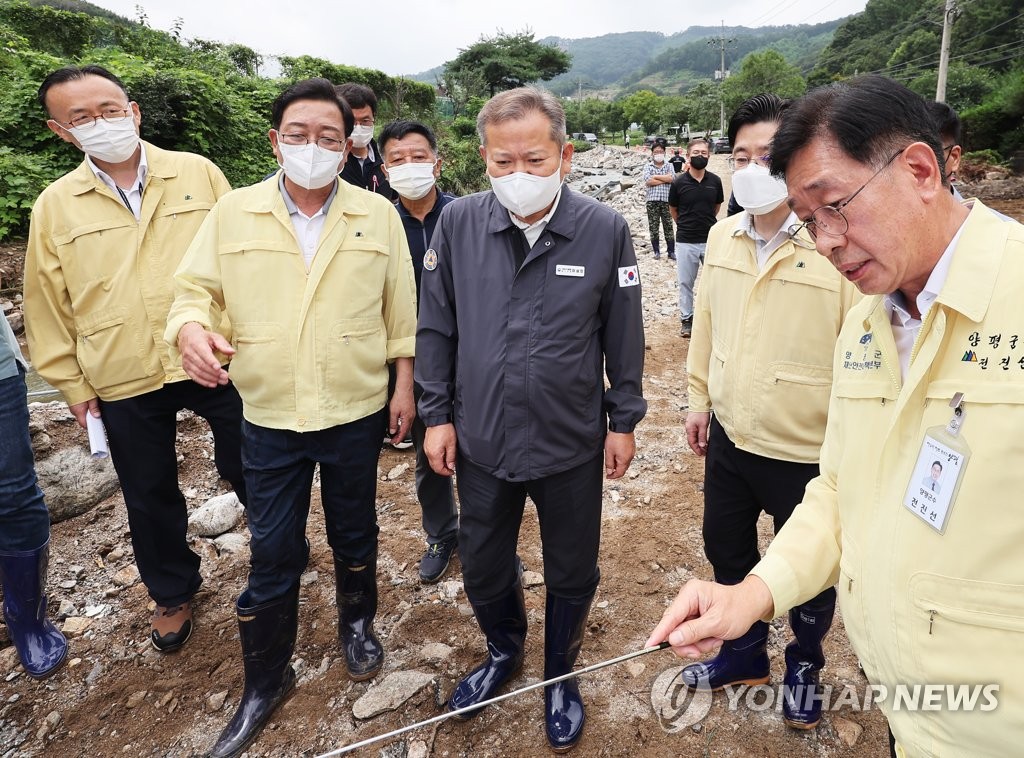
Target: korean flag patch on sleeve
[628, 276]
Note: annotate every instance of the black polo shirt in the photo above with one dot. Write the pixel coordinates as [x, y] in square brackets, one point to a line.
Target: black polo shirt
[696, 203]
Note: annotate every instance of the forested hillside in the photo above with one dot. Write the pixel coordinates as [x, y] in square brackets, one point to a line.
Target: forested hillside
[901, 39]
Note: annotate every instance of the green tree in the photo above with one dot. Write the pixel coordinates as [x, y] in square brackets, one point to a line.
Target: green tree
[644, 108]
[703, 104]
[675, 110]
[507, 61]
[762, 72]
[614, 118]
[966, 86]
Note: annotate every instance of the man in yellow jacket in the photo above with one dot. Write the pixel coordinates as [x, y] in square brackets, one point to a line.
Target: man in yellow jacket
[103, 245]
[768, 313]
[928, 369]
[316, 278]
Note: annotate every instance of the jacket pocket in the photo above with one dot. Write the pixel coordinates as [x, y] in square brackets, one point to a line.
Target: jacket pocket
[796, 398]
[851, 603]
[356, 360]
[109, 350]
[953, 617]
[262, 368]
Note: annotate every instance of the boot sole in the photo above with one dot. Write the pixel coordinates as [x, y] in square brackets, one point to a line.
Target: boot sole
[259, 730]
[566, 748]
[49, 672]
[367, 675]
[801, 726]
[176, 646]
[752, 682]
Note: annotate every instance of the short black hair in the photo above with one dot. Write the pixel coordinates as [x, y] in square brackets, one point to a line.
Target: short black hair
[401, 128]
[73, 73]
[662, 143]
[869, 117]
[946, 121]
[311, 89]
[358, 96]
[759, 108]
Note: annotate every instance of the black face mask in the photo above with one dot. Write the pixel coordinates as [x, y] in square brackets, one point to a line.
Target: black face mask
[699, 162]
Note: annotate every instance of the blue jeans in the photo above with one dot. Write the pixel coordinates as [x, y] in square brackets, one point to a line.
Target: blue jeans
[278, 466]
[24, 519]
[689, 256]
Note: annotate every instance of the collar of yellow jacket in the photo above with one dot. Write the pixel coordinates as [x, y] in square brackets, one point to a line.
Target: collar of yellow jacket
[267, 198]
[977, 259]
[158, 161]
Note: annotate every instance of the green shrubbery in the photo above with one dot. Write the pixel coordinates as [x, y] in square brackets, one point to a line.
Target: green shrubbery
[197, 96]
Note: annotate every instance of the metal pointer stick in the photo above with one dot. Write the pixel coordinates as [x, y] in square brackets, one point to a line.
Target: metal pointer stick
[496, 699]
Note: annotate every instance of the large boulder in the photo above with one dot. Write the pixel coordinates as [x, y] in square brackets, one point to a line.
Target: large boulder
[73, 482]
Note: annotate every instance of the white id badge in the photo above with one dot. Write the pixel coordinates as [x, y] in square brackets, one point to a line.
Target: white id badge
[939, 470]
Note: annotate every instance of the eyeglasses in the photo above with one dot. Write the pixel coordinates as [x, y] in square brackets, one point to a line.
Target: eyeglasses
[368, 121]
[948, 151]
[829, 219]
[112, 115]
[740, 163]
[326, 143]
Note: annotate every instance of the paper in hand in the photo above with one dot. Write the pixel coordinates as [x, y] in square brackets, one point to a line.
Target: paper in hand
[97, 436]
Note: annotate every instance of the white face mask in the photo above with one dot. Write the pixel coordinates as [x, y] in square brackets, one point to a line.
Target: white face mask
[757, 190]
[659, 157]
[361, 136]
[525, 194]
[309, 165]
[412, 180]
[108, 141]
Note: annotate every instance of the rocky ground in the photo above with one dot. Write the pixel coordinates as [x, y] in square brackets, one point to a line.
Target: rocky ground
[117, 696]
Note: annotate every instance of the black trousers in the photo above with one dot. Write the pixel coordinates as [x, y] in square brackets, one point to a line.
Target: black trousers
[279, 465]
[738, 486]
[141, 434]
[569, 512]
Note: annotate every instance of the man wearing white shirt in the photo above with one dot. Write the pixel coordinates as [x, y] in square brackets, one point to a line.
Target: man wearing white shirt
[767, 316]
[103, 245]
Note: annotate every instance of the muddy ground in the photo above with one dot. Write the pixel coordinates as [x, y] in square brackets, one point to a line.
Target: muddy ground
[117, 696]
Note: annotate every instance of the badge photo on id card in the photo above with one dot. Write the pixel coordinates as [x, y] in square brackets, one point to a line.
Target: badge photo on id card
[936, 477]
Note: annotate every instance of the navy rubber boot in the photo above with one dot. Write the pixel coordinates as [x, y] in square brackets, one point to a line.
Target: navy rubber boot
[564, 714]
[503, 622]
[656, 246]
[801, 694]
[357, 607]
[41, 647]
[267, 633]
[740, 661]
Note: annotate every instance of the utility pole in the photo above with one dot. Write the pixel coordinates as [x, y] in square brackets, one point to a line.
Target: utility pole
[949, 16]
[722, 74]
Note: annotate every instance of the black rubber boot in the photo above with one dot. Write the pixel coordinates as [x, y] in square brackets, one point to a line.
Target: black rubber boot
[503, 622]
[267, 633]
[357, 606]
[656, 245]
[41, 647]
[801, 695]
[564, 715]
[740, 661]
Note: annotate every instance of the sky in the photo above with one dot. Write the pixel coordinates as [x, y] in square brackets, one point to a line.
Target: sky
[406, 36]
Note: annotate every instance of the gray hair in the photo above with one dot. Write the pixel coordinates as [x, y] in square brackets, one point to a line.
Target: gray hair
[516, 104]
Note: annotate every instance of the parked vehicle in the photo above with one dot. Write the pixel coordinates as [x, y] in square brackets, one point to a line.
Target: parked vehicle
[650, 139]
[585, 137]
[721, 145]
